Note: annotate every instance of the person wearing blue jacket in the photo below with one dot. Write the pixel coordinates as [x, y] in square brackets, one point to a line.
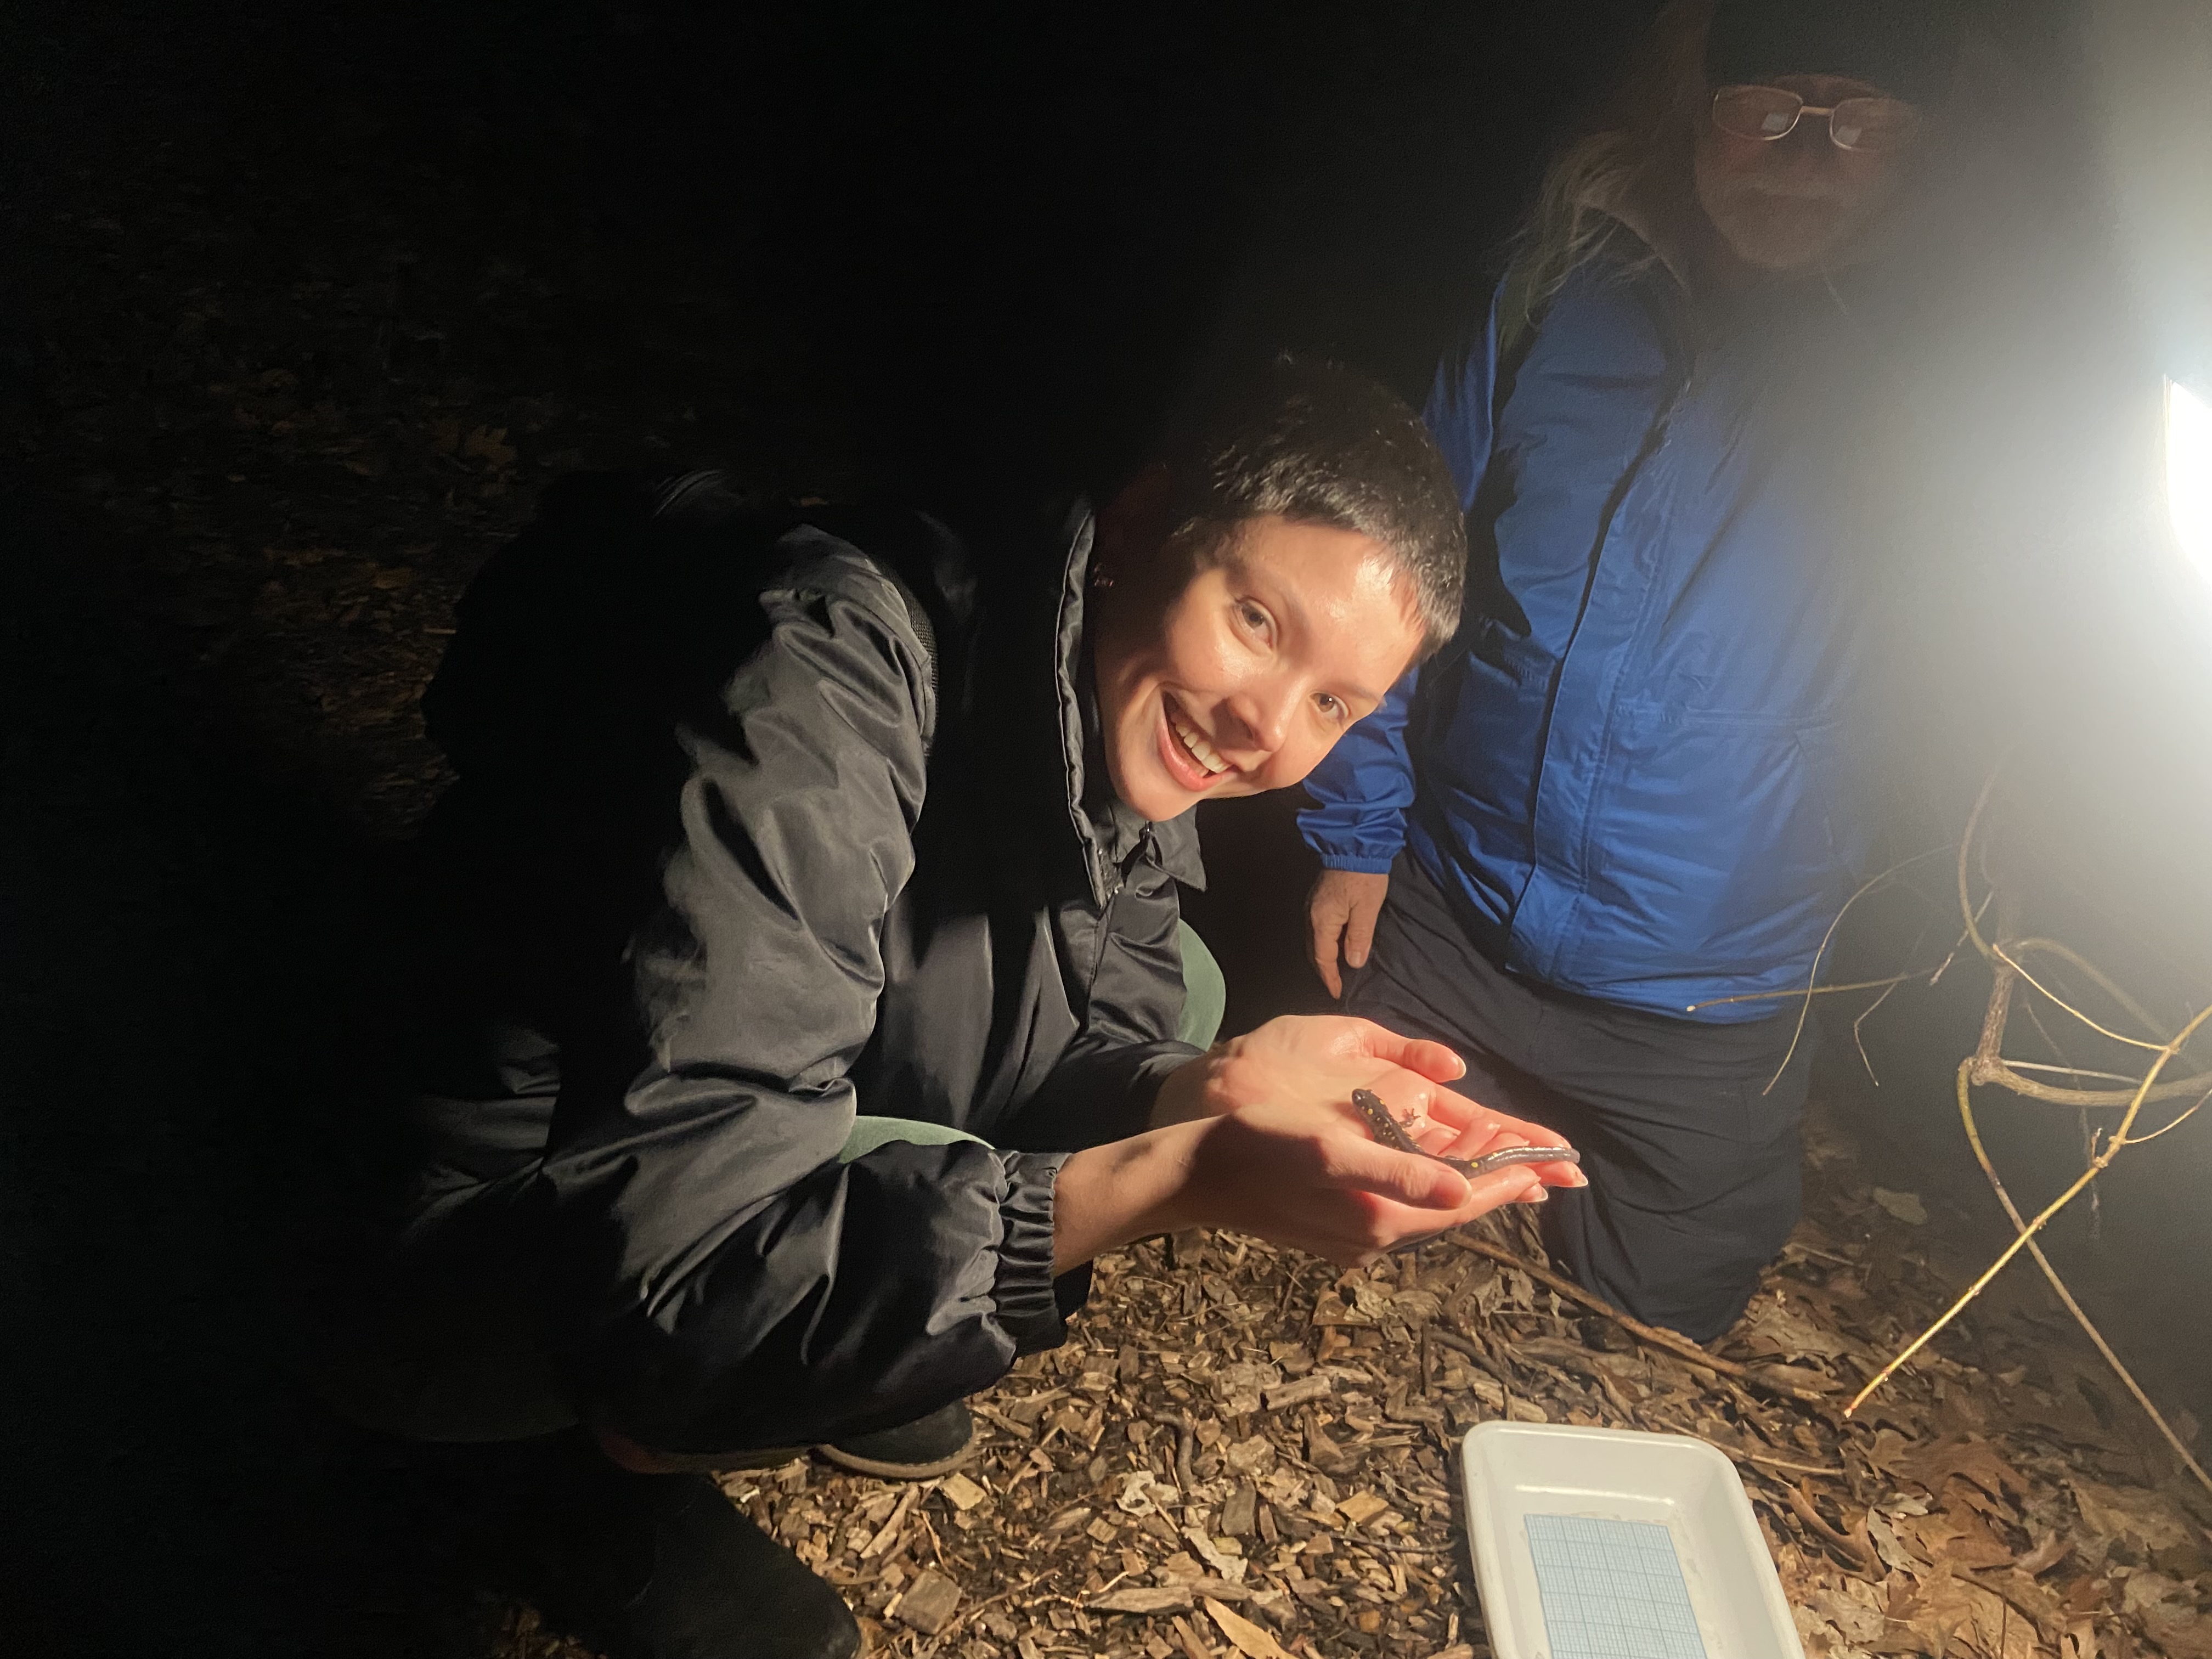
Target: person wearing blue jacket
[1596, 843]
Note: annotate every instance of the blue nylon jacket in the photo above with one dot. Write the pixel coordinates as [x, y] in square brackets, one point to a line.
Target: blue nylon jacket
[1631, 771]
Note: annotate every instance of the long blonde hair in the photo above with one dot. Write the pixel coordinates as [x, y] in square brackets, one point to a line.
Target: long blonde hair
[1631, 164]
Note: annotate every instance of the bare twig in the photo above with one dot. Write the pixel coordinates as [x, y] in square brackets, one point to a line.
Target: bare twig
[1186, 1434]
[1657, 1335]
[2049, 1273]
[2097, 1166]
[966, 1613]
[1762, 1459]
[1858, 1032]
[1805, 1009]
[1990, 1065]
[2097, 976]
[1842, 1543]
[2145, 1140]
[2003, 952]
[1812, 990]
[2073, 1071]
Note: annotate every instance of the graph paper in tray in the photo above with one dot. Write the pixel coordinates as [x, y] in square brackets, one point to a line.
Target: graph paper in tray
[1611, 1544]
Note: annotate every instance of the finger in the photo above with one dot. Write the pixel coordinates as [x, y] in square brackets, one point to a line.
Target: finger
[1528, 1131]
[1359, 934]
[1413, 1100]
[1397, 1224]
[1433, 1061]
[1480, 1133]
[1326, 927]
[1454, 1111]
[1516, 1183]
[1486, 1131]
[1475, 1144]
[1403, 1178]
[1442, 1120]
[1430, 1061]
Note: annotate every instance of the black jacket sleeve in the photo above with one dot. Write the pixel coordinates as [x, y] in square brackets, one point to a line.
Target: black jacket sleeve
[715, 1278]
[1104, 1087]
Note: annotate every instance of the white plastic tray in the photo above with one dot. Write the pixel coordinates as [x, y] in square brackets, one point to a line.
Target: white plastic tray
[1598, 1494]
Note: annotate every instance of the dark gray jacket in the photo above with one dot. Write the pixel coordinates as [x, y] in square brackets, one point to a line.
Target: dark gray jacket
[762, 821]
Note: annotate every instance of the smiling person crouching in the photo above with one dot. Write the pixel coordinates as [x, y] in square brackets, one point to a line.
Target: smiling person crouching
[794, 1004]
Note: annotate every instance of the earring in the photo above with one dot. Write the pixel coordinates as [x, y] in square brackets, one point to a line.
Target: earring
[1101, 578]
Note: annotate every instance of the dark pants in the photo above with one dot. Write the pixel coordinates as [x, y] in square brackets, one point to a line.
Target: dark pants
[1692, 1161]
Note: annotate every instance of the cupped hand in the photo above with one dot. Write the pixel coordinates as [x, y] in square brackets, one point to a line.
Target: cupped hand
[1300, 1056]
[1320, 1059]
[1299, 1178]
[1286, 1155]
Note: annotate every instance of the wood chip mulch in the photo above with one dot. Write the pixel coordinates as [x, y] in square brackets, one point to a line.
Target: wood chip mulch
[1244, 1452]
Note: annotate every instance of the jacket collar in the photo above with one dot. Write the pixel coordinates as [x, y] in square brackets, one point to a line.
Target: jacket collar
[1107, 830]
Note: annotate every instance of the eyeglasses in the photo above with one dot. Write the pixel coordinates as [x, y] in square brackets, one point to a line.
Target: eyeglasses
[1869, 126]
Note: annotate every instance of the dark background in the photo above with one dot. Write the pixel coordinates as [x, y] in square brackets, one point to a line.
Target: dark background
[254, 247]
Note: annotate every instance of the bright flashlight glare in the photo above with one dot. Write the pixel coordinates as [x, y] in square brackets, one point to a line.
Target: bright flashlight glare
[2189, 473]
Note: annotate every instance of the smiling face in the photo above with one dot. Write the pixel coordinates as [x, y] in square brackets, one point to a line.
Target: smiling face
[1239, 675]
[1795, 203]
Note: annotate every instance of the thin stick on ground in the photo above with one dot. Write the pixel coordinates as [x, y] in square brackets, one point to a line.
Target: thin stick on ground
[2097, 1165]
[1657, 1335]
[2049, 1273]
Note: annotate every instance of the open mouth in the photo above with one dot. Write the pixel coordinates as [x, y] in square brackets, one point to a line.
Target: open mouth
[1189, 757]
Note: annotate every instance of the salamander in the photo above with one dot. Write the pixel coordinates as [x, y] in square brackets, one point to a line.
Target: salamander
[1388, 1130]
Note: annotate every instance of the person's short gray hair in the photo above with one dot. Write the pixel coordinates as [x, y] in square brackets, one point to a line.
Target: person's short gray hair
[1317, 443]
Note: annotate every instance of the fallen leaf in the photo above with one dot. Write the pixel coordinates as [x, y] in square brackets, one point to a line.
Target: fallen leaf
[1970, 1458]
[1136, 1494]
[1776, 1328]
[1960, 1540]
[1230, 1567]
[1905, 1206]
[1890, 1547]
[1788, 1377]
[1858, 1620]
[2116, 1512]
[2167, 1609]
[1889, 1450]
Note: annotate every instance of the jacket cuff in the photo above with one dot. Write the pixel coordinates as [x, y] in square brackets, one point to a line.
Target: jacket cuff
[1023, 1290]
[1365, 864]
